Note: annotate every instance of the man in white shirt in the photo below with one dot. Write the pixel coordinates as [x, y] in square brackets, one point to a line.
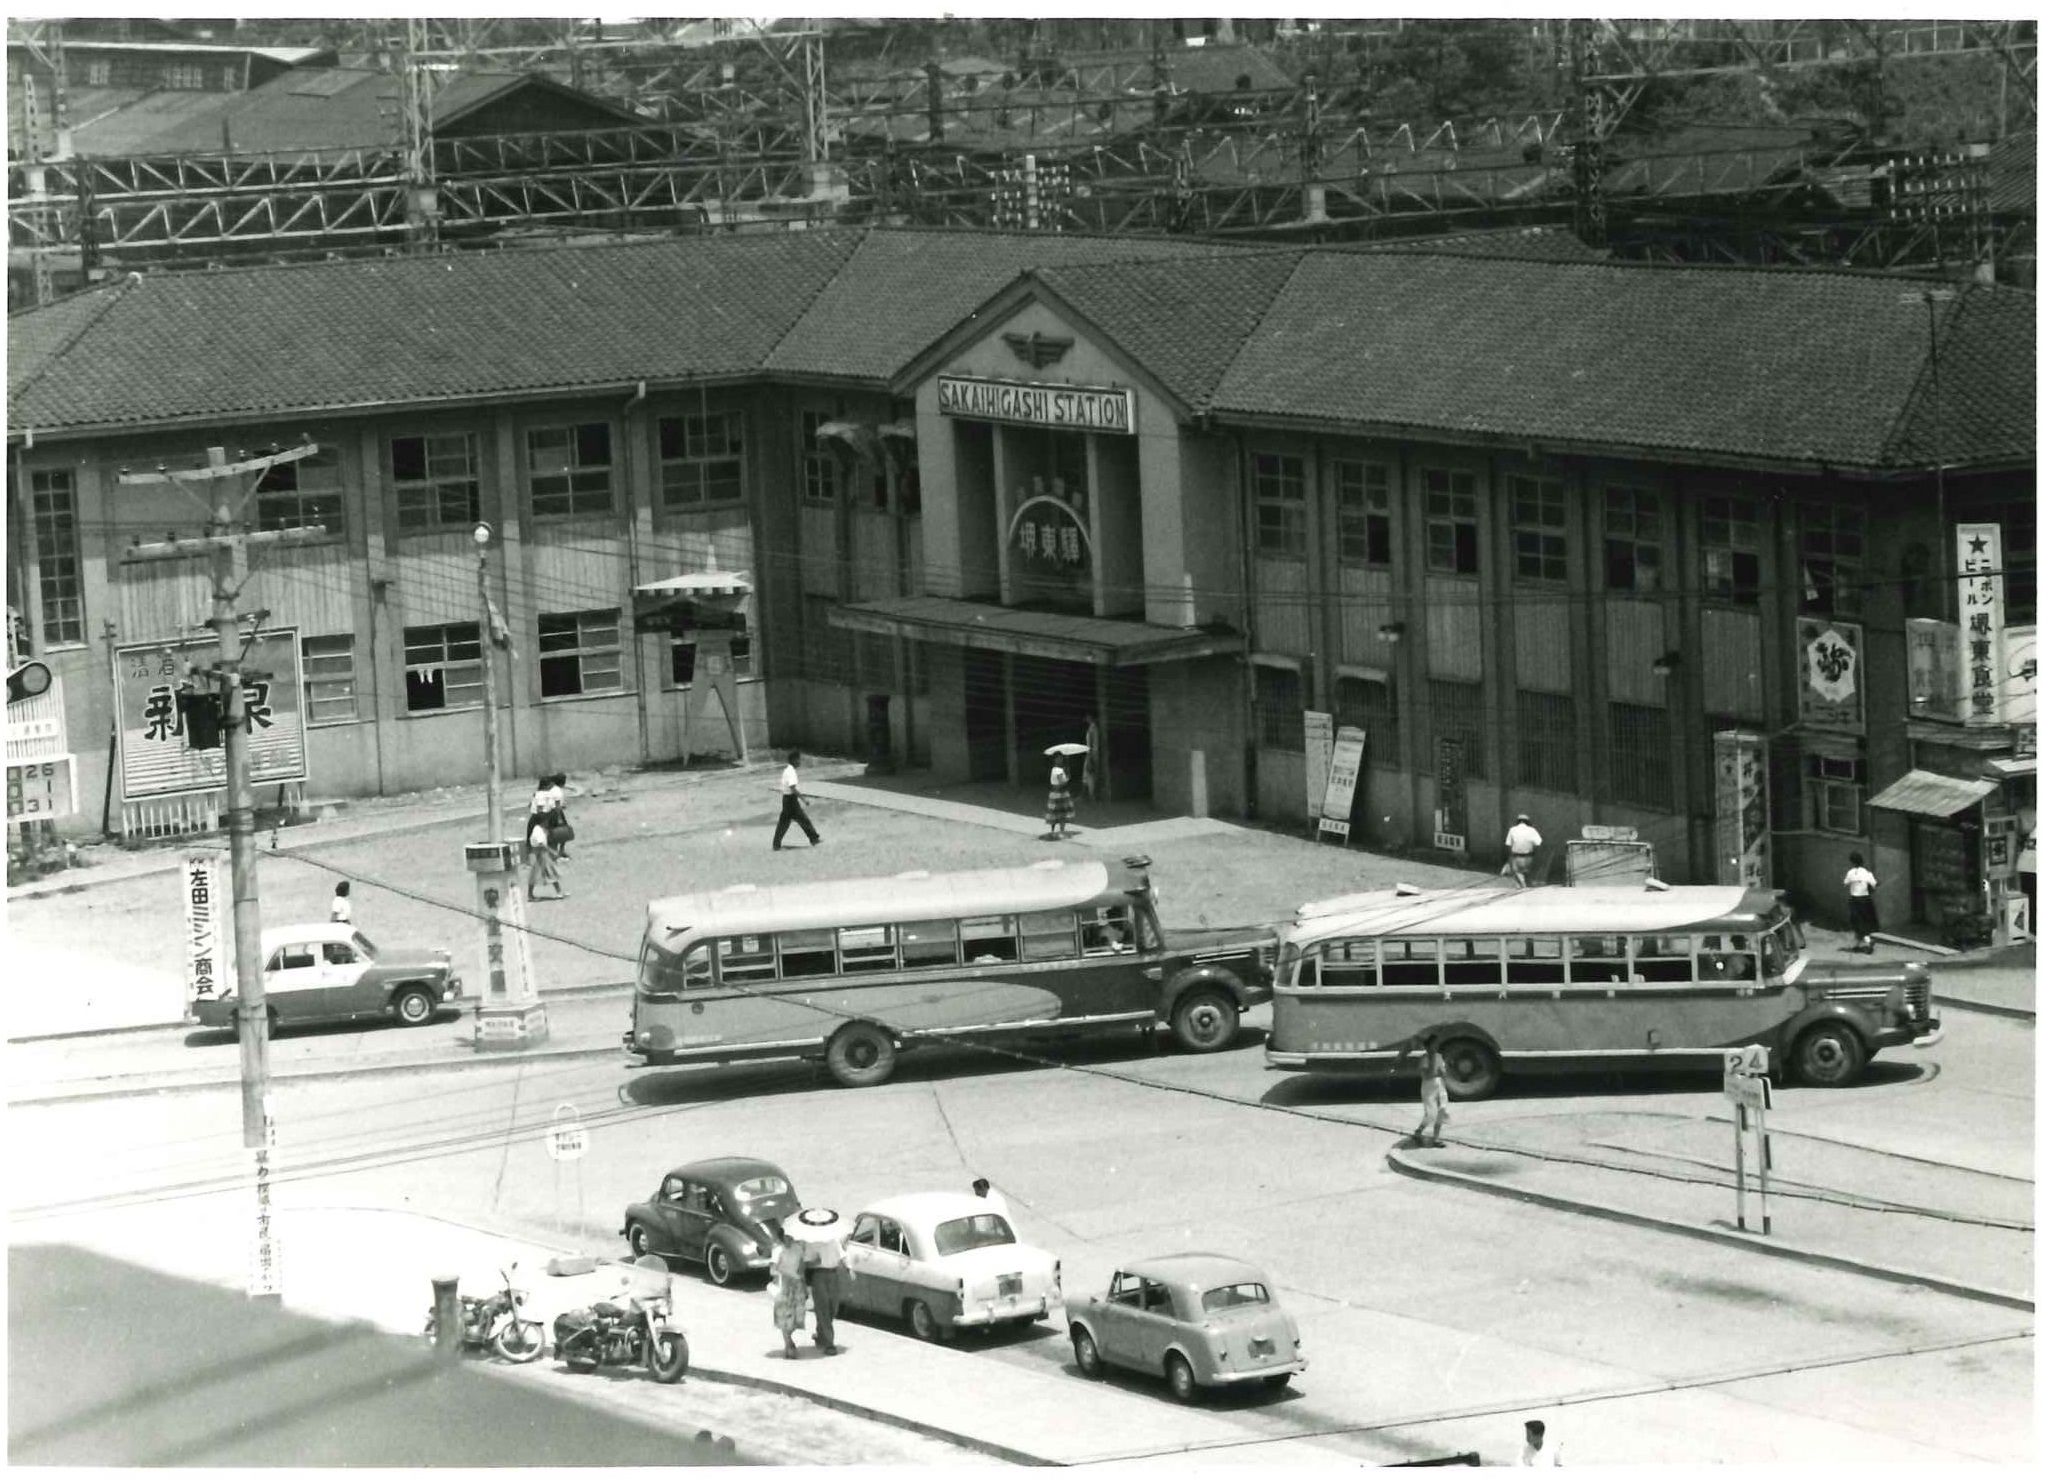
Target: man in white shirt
[1522, 843]
[996, 1201]
[1535, 1451]
[341, 912]
[793, 805]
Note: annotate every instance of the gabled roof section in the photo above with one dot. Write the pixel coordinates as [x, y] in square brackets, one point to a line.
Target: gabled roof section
[1184, 322]
[1976, 402]
[901, 290]
[333, 335]
[1813, 368]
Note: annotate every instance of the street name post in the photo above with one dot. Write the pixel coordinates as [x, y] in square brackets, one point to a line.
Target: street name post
[1747, 1086]
[567, 1140]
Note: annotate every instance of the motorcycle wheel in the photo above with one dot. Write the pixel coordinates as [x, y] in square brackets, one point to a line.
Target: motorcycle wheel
[520, 1341]
[670, 1358]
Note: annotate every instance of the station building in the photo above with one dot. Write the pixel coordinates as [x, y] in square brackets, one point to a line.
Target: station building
[1540, 527]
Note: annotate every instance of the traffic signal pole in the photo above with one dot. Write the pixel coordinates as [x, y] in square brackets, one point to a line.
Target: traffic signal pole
[229, 486]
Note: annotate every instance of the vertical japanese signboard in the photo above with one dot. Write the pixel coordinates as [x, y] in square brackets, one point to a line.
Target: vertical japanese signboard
[1742, 816]
[1318, 736]
[1831, 664]
[1981, 612]
[209, 930]
[155, 760]
[1347, 754]
[1450, 831]
[2019, 693]
[1932, 691]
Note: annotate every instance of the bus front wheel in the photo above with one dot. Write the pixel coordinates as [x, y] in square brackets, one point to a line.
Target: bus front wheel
[1205, 1020]
[1472, 1070]
[1829, 1056]
[859, 1055]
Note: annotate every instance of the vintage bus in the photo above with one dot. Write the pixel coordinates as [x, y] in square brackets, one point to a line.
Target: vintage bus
[1559, 978]
[854, 971]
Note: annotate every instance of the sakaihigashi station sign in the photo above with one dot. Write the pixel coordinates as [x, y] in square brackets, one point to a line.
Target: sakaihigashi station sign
[1077, 408]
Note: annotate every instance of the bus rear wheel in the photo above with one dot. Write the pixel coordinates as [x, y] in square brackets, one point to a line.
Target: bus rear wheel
[1829, 1056]
[859, 1055]
[1472, 1070]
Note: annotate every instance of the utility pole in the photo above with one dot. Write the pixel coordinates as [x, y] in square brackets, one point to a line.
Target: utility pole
[229, 486]
[1944, 539]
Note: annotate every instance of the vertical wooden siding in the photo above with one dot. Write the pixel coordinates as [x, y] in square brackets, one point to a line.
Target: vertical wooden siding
[1282, 623]
[1732, 679]
[1636, 640]
[1451, 618]
[1543, 644]
[1368, 603]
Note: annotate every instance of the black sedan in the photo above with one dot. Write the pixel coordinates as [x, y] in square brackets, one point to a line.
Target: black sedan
[716, 1213]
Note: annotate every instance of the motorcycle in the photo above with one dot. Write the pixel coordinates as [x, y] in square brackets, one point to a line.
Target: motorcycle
[494, 1322]
[611, 1334]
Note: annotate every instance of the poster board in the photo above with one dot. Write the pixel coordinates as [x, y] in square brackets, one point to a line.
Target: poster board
[154, 758]
[1319, 735]
[1348, 753]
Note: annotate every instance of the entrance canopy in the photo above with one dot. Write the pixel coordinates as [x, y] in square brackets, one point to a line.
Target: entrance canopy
[1929, 794]
[1104, 641]
[701, 583]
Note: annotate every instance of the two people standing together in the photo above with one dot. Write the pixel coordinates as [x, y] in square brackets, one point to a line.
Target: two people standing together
[548, 834]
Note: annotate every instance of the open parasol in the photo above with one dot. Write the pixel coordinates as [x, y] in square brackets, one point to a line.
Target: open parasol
[1067, 747]
[817, 1226]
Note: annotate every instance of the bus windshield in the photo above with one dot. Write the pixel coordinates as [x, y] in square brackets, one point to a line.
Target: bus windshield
[665, 973]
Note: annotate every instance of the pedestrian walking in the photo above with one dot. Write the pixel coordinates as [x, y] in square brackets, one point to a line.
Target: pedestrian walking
[1522, 843]
[996, 1200]
[821, 1229]
[341, 911]
[1436, 1102]
[1537, 1451]
[1091, 772]
[790, 1296]
[1059, 802]
[793, 805]
[1862, 884]
[540, 862]
[560, 832]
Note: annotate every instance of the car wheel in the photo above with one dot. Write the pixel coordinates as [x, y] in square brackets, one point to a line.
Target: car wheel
[718, 1265]
[925, 1325]
[414, 1006]
[1181, 1379]
[1087, 1360]
[859, 1055]
[1277, 1380]
[1829, 1056]
[1472, 1070]
[638, 1239]
[1205, 1020]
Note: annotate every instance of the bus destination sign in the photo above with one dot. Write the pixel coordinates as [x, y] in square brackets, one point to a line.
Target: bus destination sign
[1080, 408]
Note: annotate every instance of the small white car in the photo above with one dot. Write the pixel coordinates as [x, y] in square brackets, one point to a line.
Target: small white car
[945, 1262]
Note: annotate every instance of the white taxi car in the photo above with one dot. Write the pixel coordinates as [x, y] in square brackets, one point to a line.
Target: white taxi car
[945, 1262]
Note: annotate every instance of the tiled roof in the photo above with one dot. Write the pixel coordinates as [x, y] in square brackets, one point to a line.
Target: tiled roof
[342, 334]
[903, 289]
[1185, 322]
[1985, 375]
[1809, 367]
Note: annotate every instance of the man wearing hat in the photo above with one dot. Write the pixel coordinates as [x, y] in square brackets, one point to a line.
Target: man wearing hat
[821, 1230]
[1522, 843]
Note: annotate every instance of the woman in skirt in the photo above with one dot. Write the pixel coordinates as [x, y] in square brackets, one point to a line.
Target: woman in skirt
[1059, 803]
[788, 1287]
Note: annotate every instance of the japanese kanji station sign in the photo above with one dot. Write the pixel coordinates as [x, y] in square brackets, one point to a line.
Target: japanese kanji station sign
[1072, 408]
[155, 759]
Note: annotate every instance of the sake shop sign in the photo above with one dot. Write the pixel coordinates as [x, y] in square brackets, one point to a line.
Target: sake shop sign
[1074, 408]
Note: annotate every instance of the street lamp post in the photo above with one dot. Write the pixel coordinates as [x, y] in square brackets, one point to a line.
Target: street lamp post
[509, 1014]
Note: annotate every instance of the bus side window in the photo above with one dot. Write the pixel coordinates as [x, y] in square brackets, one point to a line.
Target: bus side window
[1472, 961]
[1351, 963]
[985, 940]
[1662, 958]
[1108, 931]
[1537, 960]
[1725, 958]
[1048, 935]
[807, 953]
[1409, 963]
[1599, 958]
[867, 948]
[746, 958]
[929, 943]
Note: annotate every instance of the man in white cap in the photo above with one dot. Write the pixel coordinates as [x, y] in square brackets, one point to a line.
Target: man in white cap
[1522, 843]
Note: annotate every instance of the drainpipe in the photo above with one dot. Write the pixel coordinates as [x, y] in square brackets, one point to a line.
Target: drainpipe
[633, 403]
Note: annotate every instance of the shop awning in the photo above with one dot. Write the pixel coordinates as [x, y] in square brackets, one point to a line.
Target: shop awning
[2011, 765]
[702, 583]
[1104, 641]
[1928, 794]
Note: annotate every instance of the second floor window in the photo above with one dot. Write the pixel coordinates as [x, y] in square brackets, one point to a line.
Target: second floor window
[579, 653]
[1831, 559]
[1281, 504]
[1451, 509]
[700, 459]
[1632, 526]
[1538, 506]
[1365, 532]
[1729, 550]
[294, 495]
[570, 469]
[435, 479]
[820, 474]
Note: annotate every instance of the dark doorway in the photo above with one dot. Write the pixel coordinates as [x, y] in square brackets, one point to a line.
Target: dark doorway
[879, 757]
[1052, 701]
[1128, 716]
[982, 685]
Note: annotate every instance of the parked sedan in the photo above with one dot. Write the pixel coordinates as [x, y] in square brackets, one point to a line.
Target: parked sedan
[1199, 1320]
[715, 1213]
[332, 973]
[946, 1261]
